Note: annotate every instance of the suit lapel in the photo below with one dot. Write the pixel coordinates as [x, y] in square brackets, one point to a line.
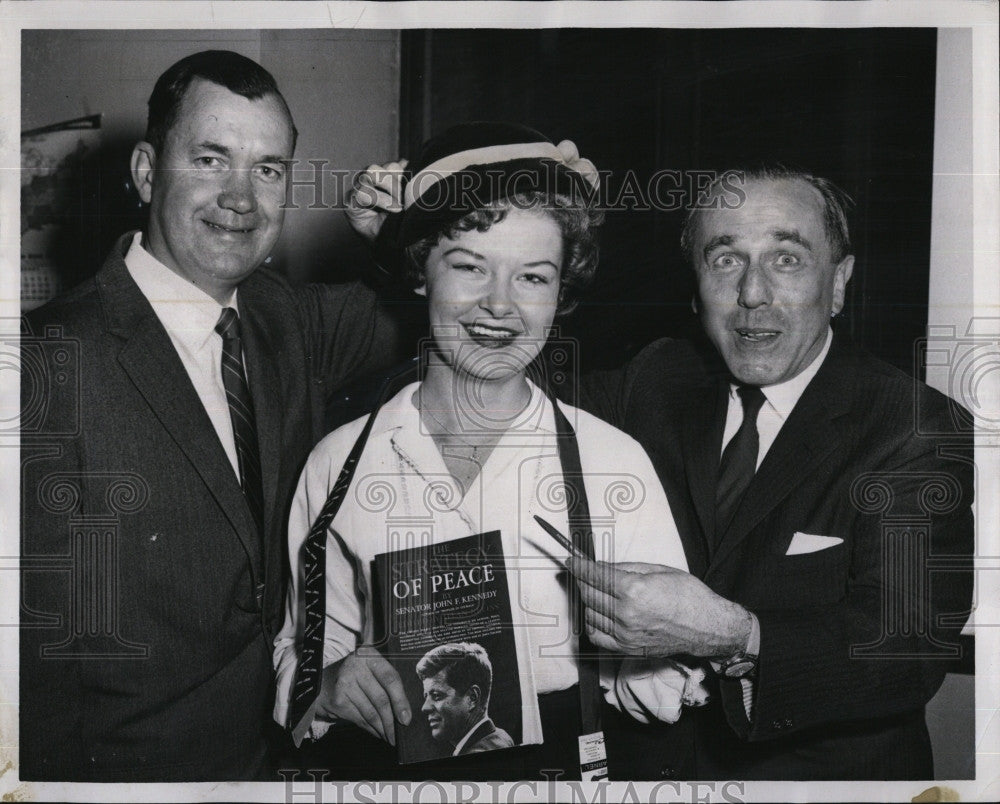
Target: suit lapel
[805, 440]
[483, 730]
[151, 362]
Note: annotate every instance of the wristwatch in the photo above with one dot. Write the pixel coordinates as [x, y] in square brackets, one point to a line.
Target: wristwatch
[744, 663]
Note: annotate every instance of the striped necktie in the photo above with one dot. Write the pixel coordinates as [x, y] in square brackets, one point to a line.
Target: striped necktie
[241, 413]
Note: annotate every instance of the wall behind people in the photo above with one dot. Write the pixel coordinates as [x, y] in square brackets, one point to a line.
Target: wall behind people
[327, 76]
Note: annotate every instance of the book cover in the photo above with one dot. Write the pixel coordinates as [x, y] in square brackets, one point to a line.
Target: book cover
[443, 618]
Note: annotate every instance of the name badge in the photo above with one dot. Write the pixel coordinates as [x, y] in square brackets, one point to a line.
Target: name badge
[593, 757]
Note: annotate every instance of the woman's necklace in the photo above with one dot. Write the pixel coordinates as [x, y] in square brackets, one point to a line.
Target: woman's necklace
[477, 452]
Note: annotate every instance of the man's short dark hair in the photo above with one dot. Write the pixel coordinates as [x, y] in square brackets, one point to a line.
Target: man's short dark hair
[464, 664]
[836, 203]
[236, 73]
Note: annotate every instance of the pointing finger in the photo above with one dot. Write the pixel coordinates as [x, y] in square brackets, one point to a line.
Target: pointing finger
[598, 575]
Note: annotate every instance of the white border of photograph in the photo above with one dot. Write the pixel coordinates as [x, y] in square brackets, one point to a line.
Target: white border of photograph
[965, 245]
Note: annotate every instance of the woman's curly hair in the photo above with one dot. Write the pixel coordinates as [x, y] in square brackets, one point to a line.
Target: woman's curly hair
[577, 223]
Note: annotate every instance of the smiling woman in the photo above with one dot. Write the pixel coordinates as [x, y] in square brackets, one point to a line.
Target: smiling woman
[493, 285]
[499, 235]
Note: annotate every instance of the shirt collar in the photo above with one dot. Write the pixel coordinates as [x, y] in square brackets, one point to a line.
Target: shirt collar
[783, 396]
[186, 311]
[401, 411]
[468, 734]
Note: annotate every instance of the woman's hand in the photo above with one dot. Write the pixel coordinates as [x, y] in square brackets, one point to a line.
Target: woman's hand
[366, 690]
[378, 190]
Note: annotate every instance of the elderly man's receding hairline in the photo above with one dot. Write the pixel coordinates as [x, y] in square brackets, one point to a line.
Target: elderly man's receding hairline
[834, 203]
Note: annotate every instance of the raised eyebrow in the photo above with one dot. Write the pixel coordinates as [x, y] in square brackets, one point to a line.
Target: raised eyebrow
[464, 251]
[540, 263]
[716, 242]
[791, 236]
[214, 146]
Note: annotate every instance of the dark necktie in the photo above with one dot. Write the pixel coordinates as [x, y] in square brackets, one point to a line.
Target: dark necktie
[241, 413]
[739, 461]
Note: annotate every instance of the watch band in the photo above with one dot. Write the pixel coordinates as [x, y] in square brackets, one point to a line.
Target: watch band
[744, 663]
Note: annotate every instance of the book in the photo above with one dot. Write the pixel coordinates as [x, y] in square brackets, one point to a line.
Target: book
[443, 619]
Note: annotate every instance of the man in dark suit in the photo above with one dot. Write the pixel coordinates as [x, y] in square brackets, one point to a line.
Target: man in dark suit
[486, 737]
[168, 404]
[458, 678]
[815, 488]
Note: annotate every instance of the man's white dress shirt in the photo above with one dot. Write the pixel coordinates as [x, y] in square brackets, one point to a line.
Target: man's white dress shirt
[780, 399]
[189, 316]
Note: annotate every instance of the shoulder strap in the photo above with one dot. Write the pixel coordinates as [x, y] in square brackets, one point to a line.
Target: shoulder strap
[578, 513]
[307, 682]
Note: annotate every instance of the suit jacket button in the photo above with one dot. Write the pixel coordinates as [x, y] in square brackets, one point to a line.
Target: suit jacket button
[787, 723]
[777, 725]
[668, 773]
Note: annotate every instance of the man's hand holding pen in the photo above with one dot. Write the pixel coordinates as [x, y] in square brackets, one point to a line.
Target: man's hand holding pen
[651, 610]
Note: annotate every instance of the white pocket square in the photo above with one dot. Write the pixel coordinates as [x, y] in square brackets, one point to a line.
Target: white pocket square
[811, 543]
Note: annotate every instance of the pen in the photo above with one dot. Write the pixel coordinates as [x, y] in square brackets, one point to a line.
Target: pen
[559, 537]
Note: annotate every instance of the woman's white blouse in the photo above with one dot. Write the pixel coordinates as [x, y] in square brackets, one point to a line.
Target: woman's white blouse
[403, 496]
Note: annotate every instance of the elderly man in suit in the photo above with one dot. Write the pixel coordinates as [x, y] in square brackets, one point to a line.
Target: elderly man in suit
[157, 479]
[812, 485]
